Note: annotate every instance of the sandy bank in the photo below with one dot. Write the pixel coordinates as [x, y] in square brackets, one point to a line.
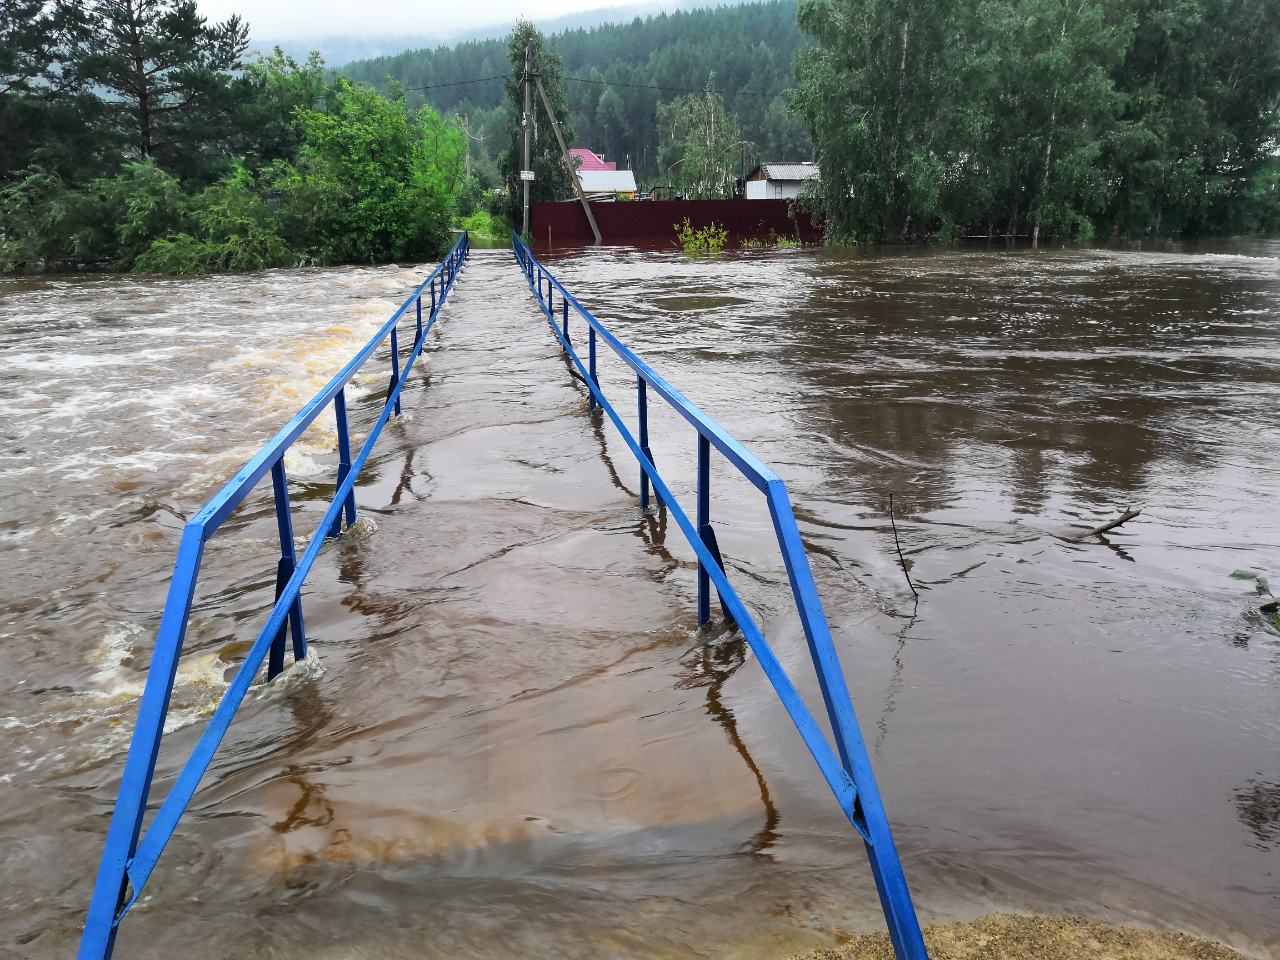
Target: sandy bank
[1004, 937]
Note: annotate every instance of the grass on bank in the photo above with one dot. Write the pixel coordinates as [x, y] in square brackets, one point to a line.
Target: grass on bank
[486, 230]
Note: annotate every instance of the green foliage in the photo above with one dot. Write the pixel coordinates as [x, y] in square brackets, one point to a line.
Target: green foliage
[750, 46]
[28, 210]
[1067, 119]
[702, 148]
[772, 242]
[108, 222]
[384, 187]
[701, 241]
[272, 91]
[231, 228]
[47, 118]
[327, 174]
[486, 230]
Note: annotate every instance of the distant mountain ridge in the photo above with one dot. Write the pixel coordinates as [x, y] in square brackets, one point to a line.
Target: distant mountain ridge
[339, 50]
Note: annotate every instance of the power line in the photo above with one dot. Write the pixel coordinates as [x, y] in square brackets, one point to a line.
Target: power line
[654, 86]
[603, 83]
[459, 83]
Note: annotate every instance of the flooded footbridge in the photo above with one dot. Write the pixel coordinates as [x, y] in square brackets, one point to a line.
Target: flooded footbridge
[510, 736]
[135, 842]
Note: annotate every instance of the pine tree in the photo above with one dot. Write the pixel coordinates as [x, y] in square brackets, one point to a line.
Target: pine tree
[166, 71]
[48, 120]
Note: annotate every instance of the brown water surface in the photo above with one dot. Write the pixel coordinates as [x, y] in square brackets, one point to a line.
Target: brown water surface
[512, 741]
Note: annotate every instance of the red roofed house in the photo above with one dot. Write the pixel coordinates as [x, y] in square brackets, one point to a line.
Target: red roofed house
[587, 160]
[602, 180]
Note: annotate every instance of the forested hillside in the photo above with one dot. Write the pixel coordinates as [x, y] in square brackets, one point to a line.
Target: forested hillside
[611, 73]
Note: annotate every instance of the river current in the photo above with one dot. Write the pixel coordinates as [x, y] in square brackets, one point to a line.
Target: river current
[511, 739]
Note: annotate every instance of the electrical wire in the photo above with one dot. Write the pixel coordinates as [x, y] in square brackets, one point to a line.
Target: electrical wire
[604, 83]
[654, 86]
[459, 83]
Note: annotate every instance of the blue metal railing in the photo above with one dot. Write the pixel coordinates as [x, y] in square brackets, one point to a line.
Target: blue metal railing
[847, 771]
[130, 855]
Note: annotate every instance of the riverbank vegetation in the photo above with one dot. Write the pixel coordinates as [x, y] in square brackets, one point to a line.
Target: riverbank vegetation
[1074, 120]
[136, 138]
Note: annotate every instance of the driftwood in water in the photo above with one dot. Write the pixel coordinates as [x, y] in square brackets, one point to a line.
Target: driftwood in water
[1109, 525]
[901, 559]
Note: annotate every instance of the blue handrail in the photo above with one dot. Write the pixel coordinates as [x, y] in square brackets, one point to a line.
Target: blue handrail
[847, 771]
[129, 856]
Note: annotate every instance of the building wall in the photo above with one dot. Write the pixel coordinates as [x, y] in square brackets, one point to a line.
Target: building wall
[773, 189]
[654, 221]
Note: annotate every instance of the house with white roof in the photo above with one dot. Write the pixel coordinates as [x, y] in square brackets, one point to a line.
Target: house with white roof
[778, 181]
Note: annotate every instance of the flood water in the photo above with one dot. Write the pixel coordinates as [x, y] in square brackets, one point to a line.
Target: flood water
[511, 740]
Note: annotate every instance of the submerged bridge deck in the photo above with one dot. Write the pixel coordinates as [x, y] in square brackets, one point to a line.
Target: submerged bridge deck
[509, 475]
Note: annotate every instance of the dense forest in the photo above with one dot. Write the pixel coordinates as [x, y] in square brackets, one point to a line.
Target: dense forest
[615, 78]
[1067, 119]
[135, 137]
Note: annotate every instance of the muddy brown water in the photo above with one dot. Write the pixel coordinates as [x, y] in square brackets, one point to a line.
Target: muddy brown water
[512, 741]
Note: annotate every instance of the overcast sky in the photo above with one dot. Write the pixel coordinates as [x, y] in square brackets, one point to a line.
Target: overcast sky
[303, 19]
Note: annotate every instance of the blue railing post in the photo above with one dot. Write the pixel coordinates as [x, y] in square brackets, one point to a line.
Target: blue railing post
[591, 397]
[284, 570]
[395, 370]
[344, 461]
[564, 307]
[419, 334]
[642, 413]
[704, 520]
[433, 296]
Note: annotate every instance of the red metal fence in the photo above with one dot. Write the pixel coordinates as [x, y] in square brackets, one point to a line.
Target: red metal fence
[649, 221]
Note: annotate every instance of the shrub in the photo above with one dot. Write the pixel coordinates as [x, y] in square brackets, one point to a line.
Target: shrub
[703, 240]
[774, 241]
[232, 229]
[486, 229]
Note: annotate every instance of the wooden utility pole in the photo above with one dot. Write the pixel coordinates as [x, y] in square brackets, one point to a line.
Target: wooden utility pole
[528, 132]
[468, 134]
[568, 162]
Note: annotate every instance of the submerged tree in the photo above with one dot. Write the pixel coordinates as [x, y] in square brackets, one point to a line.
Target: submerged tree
[386, 184]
